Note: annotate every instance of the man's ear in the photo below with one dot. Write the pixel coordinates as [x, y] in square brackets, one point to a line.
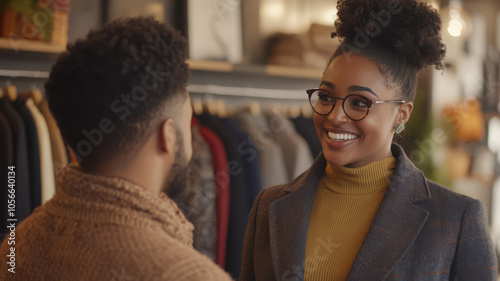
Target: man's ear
[167, 136]
[404, 113]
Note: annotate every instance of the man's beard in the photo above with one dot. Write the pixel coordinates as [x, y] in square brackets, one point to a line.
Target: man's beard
[176, 181]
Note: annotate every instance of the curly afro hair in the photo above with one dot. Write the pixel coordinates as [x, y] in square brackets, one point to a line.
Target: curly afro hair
[109, 91]
[402, 35]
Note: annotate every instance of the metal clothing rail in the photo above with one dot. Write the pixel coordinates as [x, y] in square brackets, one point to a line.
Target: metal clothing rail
[201, 89]
[11, 73]
[248, 92]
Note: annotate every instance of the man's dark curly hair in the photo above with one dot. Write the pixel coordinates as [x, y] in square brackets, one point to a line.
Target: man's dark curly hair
[111, 90]
[403, 36]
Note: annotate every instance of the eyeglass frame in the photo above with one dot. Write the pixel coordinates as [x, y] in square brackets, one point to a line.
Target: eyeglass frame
[370, 102]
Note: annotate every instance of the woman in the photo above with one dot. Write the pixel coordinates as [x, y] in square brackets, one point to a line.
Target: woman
[363, 211]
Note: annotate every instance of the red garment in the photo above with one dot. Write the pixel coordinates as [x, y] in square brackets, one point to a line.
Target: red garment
[222, 185]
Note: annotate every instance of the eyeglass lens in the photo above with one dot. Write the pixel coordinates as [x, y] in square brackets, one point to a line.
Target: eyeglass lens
[355, 107]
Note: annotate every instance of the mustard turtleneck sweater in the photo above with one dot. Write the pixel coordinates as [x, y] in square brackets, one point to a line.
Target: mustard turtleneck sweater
[344, 206]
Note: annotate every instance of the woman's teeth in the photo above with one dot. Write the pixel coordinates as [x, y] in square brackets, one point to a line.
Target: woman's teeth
[341, 137]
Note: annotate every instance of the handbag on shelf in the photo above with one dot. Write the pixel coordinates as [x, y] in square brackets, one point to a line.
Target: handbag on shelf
[466, 120]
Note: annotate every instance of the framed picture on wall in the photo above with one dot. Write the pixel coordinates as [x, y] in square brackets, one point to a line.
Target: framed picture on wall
[215, 30]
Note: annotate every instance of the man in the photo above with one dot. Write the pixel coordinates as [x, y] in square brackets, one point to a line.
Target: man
[119, 97]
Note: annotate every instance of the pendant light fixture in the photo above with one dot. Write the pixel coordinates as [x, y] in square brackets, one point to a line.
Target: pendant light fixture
[456, 21]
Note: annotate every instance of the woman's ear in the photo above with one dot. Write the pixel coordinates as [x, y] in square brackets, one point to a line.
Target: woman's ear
[167, 136]
[404, 113]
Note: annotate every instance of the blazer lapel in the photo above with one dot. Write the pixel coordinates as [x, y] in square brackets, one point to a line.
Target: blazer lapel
[396, 224]
[289, 221]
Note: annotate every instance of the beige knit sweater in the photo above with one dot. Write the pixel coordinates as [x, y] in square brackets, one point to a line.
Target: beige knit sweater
[109, 229]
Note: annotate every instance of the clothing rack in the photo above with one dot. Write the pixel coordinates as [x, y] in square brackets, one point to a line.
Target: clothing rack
[200, 89]
[248, 92]
[11, 73]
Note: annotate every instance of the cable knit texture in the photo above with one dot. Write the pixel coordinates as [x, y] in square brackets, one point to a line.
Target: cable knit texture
[106, 228]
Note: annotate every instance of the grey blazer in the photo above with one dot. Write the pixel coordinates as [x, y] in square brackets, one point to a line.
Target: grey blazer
[422, 231]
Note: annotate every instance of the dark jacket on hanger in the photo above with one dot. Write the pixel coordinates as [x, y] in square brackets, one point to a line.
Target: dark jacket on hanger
[33, 153]
[239, 205]
[21, 162]
[422, 231]
[6, 160]
[247, 149]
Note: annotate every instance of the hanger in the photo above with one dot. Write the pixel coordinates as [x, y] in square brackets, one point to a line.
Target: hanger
[230, 111]
[210, 106]
[197, 107]
[293, 111]
[221, 109]
[35, 94]
[276, 108]
[253, 108]
[11, 92]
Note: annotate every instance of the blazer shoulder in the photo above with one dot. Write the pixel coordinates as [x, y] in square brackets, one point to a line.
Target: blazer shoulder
[273, 193]
[449, 198]
[270, 194]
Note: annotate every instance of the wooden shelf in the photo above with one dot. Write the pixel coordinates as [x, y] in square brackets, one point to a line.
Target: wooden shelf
[296, 72]
[23, 45]
[271, 70]
[207, 65]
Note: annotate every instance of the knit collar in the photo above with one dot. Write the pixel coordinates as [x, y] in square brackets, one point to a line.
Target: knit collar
[102, 199]
[366, 179]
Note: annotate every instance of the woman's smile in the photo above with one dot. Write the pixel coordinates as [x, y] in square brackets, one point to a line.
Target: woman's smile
[339, 138]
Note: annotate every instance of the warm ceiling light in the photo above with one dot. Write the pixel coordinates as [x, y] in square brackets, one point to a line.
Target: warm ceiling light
[455, 27]
[327, 17]
[456, 20]
[274, 8]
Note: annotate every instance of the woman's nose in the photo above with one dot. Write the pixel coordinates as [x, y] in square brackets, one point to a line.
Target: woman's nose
[337, 115]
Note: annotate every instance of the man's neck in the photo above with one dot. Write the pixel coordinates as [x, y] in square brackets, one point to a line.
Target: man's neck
[142, 175]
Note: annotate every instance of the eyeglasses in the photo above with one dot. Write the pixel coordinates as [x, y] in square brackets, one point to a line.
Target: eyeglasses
[356, 107]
